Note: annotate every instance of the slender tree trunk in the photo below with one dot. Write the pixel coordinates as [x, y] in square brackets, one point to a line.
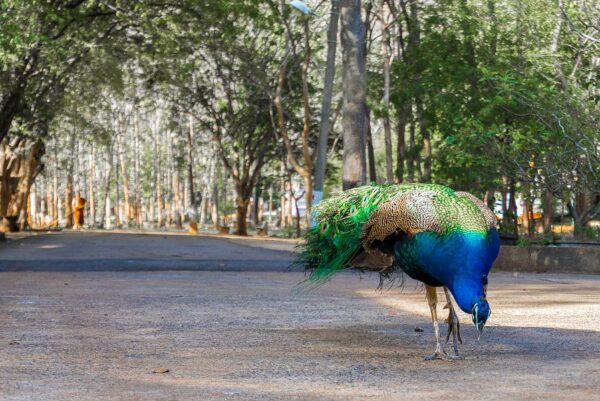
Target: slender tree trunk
[92, 182]
[528, 221]
[387, 126]
[401, 148]
[105, 219]
[177, 200]
[49, 204]
[69, 202]
[270, 204]
[424, 129]
[33, 208]
[505, 188]
[215, 199]
[117, 206]
[412, 152]
[158, 173]
[69, 184]
[190, 168]
[136, 152]
[371, 150]
[555, 44]
[512, 206]
[326, 103]
[55, 196]
[354, 118]
[125, 174]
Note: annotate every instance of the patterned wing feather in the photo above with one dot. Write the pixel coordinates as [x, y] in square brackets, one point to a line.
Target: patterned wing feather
[490, 217]
[410, 212]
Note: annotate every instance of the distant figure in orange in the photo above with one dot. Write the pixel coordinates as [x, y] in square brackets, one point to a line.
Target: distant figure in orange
[193, 227]
[78, 210]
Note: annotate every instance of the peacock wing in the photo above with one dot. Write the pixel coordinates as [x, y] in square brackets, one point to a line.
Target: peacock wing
[490, 217]
[405, 214]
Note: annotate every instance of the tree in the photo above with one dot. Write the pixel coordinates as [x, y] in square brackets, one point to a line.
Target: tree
[325, 123]
[354, 117]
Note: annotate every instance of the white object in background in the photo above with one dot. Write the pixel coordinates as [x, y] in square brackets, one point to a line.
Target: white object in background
[303, 8]
[317, 197]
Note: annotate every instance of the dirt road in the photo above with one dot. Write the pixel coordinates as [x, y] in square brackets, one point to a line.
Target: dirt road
[89, 317]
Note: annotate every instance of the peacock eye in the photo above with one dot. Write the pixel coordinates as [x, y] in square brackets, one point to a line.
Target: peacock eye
[324, 228]
[352, 210]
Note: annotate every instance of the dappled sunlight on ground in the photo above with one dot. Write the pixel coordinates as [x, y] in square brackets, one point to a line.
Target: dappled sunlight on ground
[533, 301]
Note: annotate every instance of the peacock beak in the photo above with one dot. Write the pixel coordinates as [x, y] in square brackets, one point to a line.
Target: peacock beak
[479, 332]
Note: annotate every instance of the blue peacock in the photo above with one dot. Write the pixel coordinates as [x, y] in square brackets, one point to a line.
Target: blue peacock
[441, 237]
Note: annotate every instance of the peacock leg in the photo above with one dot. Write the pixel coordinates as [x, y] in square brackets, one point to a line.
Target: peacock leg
[431, 294]
[453, 324]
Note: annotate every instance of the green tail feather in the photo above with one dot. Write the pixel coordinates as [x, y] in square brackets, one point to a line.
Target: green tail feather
[334, 241]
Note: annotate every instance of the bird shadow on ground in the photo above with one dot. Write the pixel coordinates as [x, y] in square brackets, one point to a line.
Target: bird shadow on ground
[401, 341]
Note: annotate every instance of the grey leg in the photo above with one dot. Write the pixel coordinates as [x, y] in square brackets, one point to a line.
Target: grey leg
[453, 324]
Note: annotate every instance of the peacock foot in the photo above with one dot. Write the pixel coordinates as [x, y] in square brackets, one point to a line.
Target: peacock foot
[436, 355]
[453, 328]
[441, 355]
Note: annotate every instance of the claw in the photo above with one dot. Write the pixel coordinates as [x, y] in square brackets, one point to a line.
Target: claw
[436, 355]
[443, 357]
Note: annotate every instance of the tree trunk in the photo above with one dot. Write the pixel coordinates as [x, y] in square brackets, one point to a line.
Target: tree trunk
[371, 150]
[554, 46]
[160, 205]
[354, 118]
[190, 169]
[136, 152]
[241, 213]
[528, 221]
[410, 163]
[326, 104]
[505, 189]
[55, 196]
[401, 148]
[387, 127]
[92, 189]
[19, 165]
[33, 209]
[69, 202]
[125, 174]
[424, 129]
[105, 220]
[548, 205]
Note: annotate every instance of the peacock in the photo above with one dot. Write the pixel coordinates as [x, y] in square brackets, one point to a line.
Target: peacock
[441, 237]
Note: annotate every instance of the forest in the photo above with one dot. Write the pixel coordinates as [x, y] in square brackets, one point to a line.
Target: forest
[238, 115]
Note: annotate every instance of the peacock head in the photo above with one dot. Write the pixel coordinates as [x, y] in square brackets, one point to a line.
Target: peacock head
[481, 312]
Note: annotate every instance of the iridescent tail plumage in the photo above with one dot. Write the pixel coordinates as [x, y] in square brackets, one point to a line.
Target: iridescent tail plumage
[336, 237]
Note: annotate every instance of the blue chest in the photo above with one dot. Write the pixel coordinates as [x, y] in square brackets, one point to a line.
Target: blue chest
[458, 260]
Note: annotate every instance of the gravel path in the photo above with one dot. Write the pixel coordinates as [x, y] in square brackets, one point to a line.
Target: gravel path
[72, 333]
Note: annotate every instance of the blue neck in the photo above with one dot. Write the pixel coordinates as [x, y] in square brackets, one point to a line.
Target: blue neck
[466, 292]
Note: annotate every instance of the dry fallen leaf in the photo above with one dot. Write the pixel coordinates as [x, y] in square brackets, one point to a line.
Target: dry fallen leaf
[161, 370]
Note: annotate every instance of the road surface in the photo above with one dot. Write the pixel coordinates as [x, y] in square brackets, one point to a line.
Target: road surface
[91, 316]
